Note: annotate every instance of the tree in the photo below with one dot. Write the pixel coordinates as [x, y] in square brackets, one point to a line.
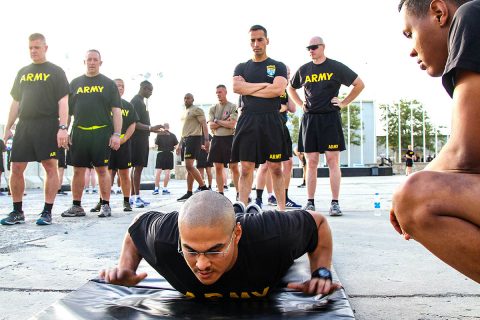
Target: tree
[354, 124]
[409, 111]
[295, 120]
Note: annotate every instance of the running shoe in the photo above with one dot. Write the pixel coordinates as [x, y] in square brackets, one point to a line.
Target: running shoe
[96, 208]
[335, 210]
[13, 217]
[289, 204]
[131, 201]
[253, 208]
[62, 193]
[94, 191]
[184, 197]
[74, 211]
[309, 206]
[45, 218]
[303, 185]
[165, 192]
[145, 202]
[155, 192]
[198, 190]
[239, 207]
[127, 206]
[259, 202]
[272, 200]
[225, 187]
[139, 203]
[106, 211]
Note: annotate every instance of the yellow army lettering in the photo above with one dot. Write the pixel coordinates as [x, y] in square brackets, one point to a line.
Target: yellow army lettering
[319, 77]
[333, 146]
[105, 161]
[31, 77]
[233, 294]
[125, 112]
[53, 154]
[90, 89]
[275, 156]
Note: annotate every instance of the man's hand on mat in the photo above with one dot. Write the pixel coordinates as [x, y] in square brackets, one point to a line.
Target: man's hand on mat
[124, 277]
[396, 225]
[315, 286]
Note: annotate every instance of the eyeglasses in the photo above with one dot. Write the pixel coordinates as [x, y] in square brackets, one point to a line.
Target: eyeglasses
[314, 46]
[191, 254]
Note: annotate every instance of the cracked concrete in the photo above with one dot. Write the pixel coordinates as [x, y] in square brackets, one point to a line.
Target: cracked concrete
[384, 276]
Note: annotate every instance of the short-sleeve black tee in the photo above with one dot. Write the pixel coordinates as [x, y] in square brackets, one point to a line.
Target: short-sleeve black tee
[321, 82]
[269, 245]
[463, 44]
[142, 112]
[166, 142]
[129, 115]
[410, 153]
[260, 72]
[92, 99]
[38, 88]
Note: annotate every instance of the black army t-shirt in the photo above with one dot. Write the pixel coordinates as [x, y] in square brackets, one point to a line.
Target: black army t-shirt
[260, 72]
[269, 245]
[322, 82]
[38, 88]
[92, 99]
[143, 114]
[463, 44]
[129, 115]
[166, 142]
[284, 100]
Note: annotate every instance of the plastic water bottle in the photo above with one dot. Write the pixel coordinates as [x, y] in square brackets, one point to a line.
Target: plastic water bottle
[9, 143]
[376, 205]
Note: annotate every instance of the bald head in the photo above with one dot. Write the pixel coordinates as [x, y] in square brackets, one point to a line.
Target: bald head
[316, 40]
[207, 209]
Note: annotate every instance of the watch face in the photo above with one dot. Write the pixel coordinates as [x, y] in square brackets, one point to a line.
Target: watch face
[323, 273]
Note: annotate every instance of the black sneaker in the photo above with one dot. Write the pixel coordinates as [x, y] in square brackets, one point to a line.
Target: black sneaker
[13, 217]
[45, 218]
[127, 206]
[97, 207]
[62, 193]
[303, 185]
[239, 207]
[253, 208]
[184, 197]
[259, 202]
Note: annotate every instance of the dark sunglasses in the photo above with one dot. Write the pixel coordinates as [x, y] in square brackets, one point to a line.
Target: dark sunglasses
[313, 47]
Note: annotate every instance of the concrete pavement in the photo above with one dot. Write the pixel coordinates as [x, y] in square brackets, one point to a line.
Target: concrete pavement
[384, 276]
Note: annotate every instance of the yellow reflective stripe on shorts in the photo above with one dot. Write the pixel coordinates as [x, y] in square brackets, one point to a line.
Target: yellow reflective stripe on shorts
[91, 128]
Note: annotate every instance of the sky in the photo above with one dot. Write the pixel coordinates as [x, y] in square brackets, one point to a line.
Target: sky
[192, 46]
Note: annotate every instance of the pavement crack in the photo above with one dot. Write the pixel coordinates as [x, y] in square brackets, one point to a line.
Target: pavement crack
[419, 295]
[10, 289]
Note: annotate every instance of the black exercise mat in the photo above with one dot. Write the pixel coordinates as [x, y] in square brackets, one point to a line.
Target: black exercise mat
[155, 299]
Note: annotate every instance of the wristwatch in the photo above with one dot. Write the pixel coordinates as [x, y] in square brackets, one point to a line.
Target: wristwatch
[62, 127]
[117, 134]
[322, 273]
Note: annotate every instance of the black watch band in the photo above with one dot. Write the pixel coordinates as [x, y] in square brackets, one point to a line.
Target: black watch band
[62, 127]
[322, 273]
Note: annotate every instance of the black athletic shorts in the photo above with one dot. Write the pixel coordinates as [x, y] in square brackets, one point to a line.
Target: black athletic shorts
[90, 147]
[321, 132]
[139, 150]
[409, 162]
[122, 158]
[35, 140]
[258, 138]
[192, 146]
[62, 161]
[202, 160]
[2, 167]
[220, 150]
[164, 160]
[288, 141]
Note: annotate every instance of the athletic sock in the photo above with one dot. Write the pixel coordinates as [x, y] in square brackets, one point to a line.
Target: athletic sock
[312, 201]
[221, 193]
[100, 200]
[48, 207]
[259, 193]
[77, 203]
[17, 206]
[105, 202]
[204, 187]
[286, 194]
[125, 199]
[334, 201]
